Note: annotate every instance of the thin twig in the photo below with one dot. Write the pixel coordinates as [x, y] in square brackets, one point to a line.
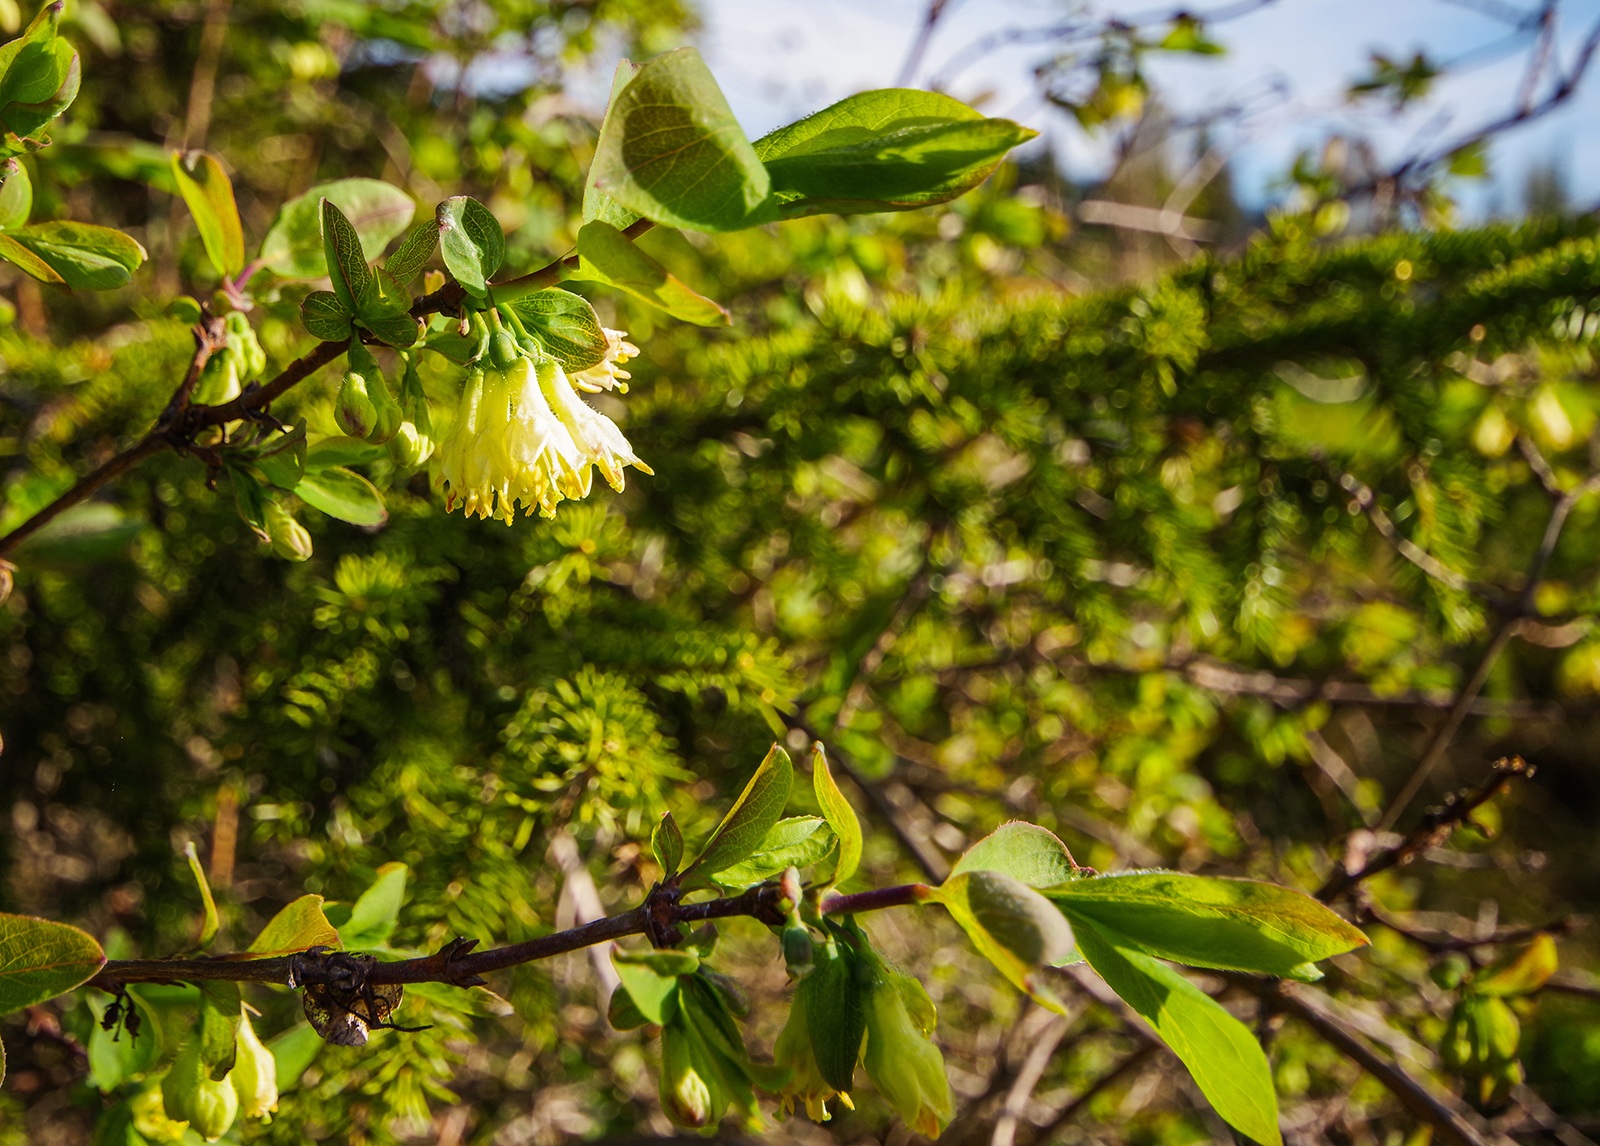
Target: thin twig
[1436, 827]
[919, 46]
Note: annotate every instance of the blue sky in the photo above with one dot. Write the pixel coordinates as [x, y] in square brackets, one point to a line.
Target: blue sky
[1290, 62]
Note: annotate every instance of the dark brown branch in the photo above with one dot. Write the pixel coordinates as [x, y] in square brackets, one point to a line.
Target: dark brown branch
[456, 964]
[1436, 827]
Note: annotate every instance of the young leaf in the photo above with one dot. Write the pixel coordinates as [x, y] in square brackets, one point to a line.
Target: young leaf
[471, 241]
[672, 151]
[840, 815]
[795, 842]
[218, 1026]
[343, 494]
[299, 925]
[341, 451]
[608, 256]
[353, 283]
[205, 187]
[293, 246]
[375, 914]
[41, 72]
[752, 816]
[208, 929]
[40, 959]
[596, 203]
[1521, 973]
[1025, 852]
[414, 253]
[566, 324]
[888, 150]
[1236, 924]
[325, 316]
[1011, 925]
[25, 260]
[651, 978]
[282, 460]
[84, 256]
[666, 844]
[1221, 1054]
[16, 195]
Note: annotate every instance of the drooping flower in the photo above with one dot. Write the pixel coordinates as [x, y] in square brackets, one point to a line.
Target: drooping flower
[507, 446]
[596, 435]
[523, 435]
[901, 1060]
[793, 1051]
[607, 374]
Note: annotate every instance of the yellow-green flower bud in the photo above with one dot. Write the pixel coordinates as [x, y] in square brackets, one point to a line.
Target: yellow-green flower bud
[414, 442]
[251, 360]
[254, 1075]
[189, 1095]
[686, 1089]
[218, 381]
[289, 538]
[353, 409]
[149, 1115]
[901, 1060]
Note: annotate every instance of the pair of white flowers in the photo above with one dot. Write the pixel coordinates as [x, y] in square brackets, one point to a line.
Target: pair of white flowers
[525, 435]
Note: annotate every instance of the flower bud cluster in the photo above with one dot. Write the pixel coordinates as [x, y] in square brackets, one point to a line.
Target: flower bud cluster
[209, 1106]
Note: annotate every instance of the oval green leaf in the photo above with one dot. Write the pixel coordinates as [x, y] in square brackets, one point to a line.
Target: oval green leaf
[1022, 851]
[471, 241]
[1011, 925]
[343, 494]
[84, 256]
[608, 256]
[299, 925]
[752, 816]
[566, 325]
[40, 959]
[840, 815]
[377, 211]
[375, 914]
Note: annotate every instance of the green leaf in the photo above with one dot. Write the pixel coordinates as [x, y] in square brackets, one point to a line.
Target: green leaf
[608, 256]
[651, 978]
[16, 195]
[840, 815]
[42, 74]
[566, 325]
[82, 255]
[353, 282]
[208, 929]
[374, 915]
[672, 151]
[888, 150]
[1235, 924]
[399, 330]
[293, 246]
[299, 925]
[596, 203]
[471, 241]
[40, 959]
[1221, 1054]
[835, 1015]
[218, 1026]
[1012, 926]
[293, 1052]
[343, 494]
[331, 453]
[666, 844]
[1025, 852]
[414, 253]
[796, 842]
[325, 316]
[250, 499]
[752, 816]
[25, 260]
[205, 187]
